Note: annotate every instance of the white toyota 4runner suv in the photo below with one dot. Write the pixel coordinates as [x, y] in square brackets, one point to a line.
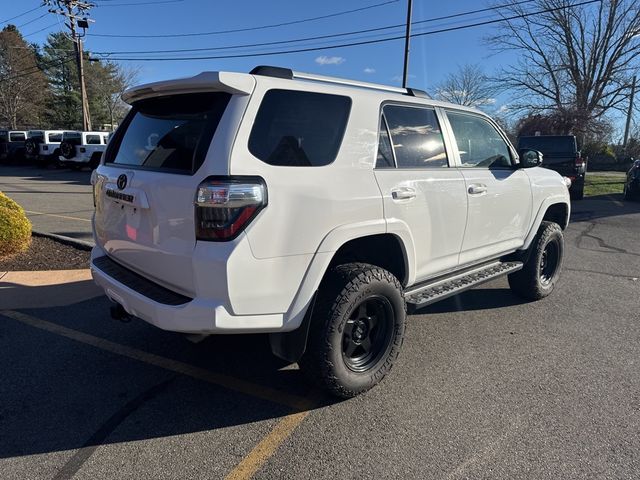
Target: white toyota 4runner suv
[315, 209]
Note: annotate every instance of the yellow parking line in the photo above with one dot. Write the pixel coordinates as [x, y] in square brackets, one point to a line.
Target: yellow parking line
[231, 383]
[58, 216]
[267, 447]
[251, 463]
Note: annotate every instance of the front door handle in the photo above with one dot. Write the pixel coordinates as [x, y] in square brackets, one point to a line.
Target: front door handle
[477, 188]
[403, 193]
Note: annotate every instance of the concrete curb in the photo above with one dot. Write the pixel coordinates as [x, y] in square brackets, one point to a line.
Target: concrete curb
[73, 242]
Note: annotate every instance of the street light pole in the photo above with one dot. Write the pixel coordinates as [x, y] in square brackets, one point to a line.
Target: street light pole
[407, 40]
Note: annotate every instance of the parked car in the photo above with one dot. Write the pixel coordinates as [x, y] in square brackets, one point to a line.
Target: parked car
[82, 149]
[632, 182]
[560, 153]
[12, 145]
[43, 146]
[314, 209]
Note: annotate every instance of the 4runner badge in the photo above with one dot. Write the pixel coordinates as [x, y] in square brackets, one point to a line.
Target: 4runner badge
[122, 182]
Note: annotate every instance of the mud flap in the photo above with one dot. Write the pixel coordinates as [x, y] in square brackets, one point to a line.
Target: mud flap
[290, 346]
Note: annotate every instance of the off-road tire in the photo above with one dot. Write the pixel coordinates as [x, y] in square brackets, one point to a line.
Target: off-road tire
[31, 147]
[528, 283]
[67, 149]
[344, 289]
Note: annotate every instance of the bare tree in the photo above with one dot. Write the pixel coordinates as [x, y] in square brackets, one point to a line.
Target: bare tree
[467, 86]
[107, 81]
[574, 60]
[23, 86]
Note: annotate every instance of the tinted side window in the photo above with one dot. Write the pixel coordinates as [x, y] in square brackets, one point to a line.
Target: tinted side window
[299, 129]
[479, 143]
[17, 137]
[55, 137]
[416, 136]
[385, 152]
[93, 139]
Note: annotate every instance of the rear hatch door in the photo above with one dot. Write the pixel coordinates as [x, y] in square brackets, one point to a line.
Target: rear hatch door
[145, 189]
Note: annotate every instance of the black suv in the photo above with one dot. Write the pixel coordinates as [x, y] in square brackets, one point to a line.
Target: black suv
[12, 145]
[560, 153]
[632, 182]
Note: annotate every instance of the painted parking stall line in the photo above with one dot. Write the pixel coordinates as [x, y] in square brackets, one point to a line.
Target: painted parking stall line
[261, 453]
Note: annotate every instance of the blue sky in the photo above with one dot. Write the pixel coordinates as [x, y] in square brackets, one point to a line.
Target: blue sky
[432, 56]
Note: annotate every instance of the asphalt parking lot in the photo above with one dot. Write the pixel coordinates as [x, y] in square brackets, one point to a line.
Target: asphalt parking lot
[57, 201]
[487, 386]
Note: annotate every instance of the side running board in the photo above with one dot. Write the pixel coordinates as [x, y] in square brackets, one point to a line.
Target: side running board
[441, 288]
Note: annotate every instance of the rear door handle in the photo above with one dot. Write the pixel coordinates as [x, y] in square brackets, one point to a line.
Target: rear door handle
[477, 188]
[403, 193]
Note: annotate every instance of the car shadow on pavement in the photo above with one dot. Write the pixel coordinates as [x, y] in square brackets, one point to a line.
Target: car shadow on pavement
[64, 392]
[476, 299]
[34, 173]
[601, 206]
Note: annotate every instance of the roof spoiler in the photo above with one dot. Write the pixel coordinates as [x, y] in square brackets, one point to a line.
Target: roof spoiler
[231, 82]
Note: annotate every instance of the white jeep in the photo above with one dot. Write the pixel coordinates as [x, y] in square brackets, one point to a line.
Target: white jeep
[82, 149]
[43, 146]
[315, 209]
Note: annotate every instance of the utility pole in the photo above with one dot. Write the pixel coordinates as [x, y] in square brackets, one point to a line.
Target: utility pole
[76, 12]
[629, 112]
[407, 40]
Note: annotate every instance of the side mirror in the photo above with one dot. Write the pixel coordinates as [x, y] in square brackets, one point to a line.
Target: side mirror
[530, 158]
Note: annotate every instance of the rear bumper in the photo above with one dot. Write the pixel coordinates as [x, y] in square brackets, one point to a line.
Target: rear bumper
[83, 158]
[194, 316]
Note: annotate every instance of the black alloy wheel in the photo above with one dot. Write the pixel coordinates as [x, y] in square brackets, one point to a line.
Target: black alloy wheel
[367, 334]
[549, 261]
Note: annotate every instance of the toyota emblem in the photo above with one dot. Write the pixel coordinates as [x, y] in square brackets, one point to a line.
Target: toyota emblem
[122, 182]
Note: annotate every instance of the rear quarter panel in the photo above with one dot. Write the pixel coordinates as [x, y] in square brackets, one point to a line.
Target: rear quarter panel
[305, 204]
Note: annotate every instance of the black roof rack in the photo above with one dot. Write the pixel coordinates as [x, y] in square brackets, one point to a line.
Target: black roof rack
[288, 74]
[414, 92]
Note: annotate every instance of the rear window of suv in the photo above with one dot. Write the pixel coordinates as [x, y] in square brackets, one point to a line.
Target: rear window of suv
[549, 144]
[170, 133]
[299, 129]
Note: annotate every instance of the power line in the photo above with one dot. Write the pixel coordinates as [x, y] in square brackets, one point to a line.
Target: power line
[246, 29]
[20, 15]
[31, 21]
[367, 42]
[99, 5]
[296, 40]
[318, 37]
[35, 68]
[42, 29]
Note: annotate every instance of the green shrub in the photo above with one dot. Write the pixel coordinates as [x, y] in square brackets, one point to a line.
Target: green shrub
[15, 228]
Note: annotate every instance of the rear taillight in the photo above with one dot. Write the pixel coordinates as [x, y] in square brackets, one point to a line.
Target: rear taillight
[82, 149]
[44, 147]
[579, 161]
[226, 205]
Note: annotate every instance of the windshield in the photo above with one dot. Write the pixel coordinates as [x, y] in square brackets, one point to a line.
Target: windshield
[171, 133]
